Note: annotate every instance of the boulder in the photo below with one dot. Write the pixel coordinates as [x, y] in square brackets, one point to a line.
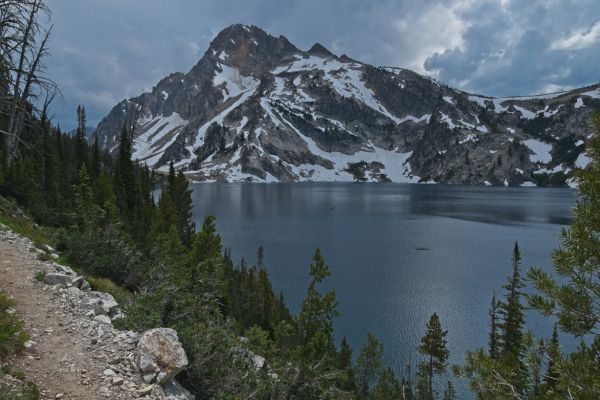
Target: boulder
[63, 269]
[254, 359]
[160, 355]
[81, 284]
[101, 303]
[174, 391]
[57, 279]
[103, 319]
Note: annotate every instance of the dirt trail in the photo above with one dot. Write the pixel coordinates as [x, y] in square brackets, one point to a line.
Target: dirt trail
[72, 356]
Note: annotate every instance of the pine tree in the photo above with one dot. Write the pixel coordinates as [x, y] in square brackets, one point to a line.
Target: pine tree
[343, 363]
[433, 347]
[449, 393]
[387, 387]
[181, 195]
[81, 157]
[260, 256]
[344, 356]
[368, 365]
[493, 343]
[512, 312]
[124, 178]
[84, 196]
[317, 312]
[95, 166]
[574, 300]
[554, 358]
[50, 165]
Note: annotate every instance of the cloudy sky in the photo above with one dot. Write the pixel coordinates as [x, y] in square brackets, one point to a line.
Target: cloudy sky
[107, 50]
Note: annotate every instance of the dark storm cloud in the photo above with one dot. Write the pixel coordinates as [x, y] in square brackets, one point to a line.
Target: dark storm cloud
[107, 50]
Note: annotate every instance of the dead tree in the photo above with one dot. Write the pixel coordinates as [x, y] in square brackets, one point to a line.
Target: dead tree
[23, 46]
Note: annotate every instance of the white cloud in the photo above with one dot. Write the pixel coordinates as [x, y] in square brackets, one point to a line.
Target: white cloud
[579, 40]
[436, 29]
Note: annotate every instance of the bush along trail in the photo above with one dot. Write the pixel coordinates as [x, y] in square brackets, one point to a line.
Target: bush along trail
[70, 348]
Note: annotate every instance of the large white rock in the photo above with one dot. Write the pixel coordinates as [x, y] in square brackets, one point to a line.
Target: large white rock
[160, 355]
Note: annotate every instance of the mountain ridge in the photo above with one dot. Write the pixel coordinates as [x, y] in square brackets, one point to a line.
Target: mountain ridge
[255, 107]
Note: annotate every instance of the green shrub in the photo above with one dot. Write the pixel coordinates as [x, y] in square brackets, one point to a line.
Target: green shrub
[12, 339]
[40, 275]
[29, 392]
[18, 222]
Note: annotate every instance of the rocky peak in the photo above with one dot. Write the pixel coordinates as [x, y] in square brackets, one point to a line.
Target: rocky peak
[319, 50]
[249, 48]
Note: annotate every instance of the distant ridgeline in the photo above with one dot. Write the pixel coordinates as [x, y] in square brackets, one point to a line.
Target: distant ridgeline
[257, 108]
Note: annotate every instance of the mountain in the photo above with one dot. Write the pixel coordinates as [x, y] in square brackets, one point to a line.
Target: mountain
[256, 107]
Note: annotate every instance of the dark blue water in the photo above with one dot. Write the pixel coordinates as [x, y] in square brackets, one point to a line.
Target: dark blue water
[397, 252]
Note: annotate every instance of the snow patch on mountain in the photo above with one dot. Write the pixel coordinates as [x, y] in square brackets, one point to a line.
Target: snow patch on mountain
[162, 132]
[582, 161]
[232, 82]
[540, 149]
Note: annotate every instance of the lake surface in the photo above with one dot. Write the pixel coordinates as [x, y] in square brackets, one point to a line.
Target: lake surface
[397, 252]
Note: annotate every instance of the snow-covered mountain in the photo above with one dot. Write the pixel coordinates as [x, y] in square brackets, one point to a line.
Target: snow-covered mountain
[255, 107]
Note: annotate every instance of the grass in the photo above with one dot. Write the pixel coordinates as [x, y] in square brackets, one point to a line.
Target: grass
[29, 392]
[18, 222]
[12, 338]
[121, 295]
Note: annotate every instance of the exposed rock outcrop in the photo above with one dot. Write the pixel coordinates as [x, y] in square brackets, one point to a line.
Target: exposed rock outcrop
[160, 355]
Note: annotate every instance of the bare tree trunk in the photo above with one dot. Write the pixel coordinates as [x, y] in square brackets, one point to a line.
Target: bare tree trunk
[31, 78]
[16, 117]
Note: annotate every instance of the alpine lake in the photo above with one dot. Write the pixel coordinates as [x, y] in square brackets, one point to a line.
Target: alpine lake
[397, 252]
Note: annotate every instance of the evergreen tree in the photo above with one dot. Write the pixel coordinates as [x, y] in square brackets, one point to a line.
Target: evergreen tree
[84, 195]
[343, 363]
[554, 358]
[50, 167]
[80, 151]
[575, 298]
[387, 387]
[344, 356]
[368, 365]
[95, 161]
[512, 312]
[317, 312]
[124, 177]
[449, 393]
[181, 196]
[260, 256]
[433, 347]
[493, 343]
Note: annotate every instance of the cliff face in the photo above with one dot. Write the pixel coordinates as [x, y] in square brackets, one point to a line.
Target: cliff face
[255, 107]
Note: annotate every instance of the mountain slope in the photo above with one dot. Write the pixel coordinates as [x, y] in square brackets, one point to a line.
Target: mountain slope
[255, 107]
